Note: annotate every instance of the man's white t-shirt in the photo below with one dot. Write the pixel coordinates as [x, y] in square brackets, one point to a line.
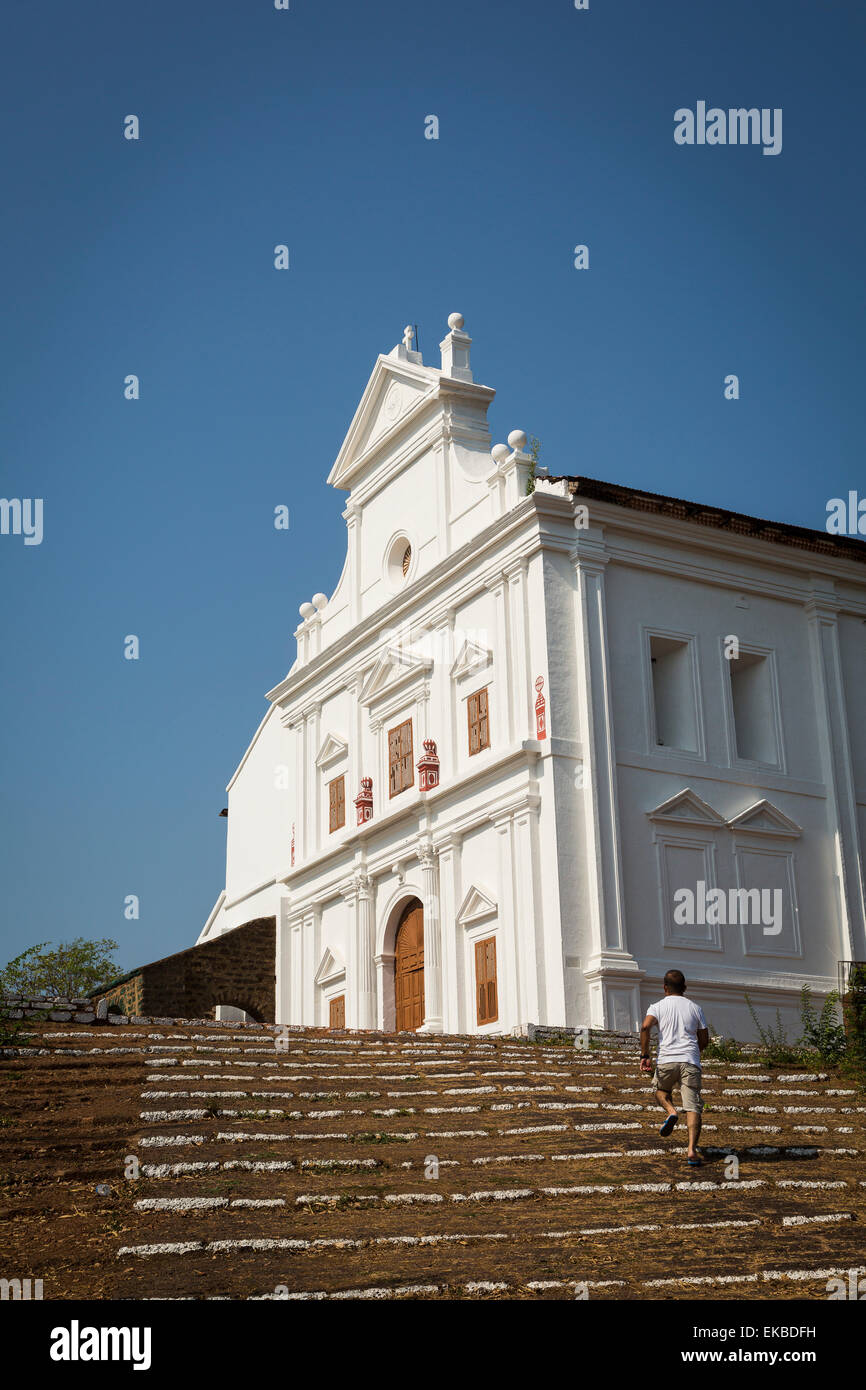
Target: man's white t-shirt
[679, 1020]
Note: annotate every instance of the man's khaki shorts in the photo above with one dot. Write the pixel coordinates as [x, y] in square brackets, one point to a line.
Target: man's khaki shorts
[686, 1076]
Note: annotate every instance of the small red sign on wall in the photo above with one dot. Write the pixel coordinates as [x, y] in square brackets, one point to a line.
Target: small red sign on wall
[540, 711]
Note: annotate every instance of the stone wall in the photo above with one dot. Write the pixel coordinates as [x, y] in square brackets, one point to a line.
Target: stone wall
[56, 1010]
[236, 968]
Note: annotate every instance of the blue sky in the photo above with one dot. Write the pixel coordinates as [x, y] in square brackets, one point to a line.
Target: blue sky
[306, 127]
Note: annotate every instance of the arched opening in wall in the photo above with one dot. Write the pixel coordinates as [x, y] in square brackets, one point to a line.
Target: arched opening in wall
[409, 968]
[240, 1011]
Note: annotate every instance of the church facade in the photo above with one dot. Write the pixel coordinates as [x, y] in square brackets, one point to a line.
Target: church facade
[547, 738]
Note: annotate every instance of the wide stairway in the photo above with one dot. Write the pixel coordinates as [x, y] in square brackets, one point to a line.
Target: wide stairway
[165, 1160]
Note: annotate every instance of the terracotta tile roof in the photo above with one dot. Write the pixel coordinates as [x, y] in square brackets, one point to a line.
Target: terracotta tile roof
[657, 504]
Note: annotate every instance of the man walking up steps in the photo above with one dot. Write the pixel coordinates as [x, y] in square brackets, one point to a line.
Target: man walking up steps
[683, 1035]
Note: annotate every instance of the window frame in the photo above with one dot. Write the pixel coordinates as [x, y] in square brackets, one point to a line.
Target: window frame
[667, 750]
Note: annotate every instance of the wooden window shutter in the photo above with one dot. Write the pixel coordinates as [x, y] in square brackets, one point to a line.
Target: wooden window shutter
[393, 761]
[336, 804]
[477, 708]
[407, 770]
[472, 710]
[483, 720]
[401, 773]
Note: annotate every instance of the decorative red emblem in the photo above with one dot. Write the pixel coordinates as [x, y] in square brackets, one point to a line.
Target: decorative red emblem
[428, 767]
[364, 801]
[540, 715]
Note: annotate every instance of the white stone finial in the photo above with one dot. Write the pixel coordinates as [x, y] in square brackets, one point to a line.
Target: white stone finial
[320, 601]
[455, 350]
[499, 453]
[306, 610]
[517, 440]
[408, 335]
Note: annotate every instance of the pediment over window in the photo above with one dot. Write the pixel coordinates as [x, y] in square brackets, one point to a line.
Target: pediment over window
[395, 667]
[687, 808]
[333, 748]
[763, 818]
[475, 907]
[332, 967]
[471, 659]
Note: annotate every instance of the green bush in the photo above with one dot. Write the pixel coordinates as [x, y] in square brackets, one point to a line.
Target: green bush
[778, 1050]
[822, 1032]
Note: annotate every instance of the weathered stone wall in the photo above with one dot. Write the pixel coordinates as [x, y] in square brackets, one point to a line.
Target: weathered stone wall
[57, 1010]
[236, 968]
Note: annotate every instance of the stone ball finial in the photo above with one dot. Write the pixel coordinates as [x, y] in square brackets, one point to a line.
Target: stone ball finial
[320, 601]
[455, 321]
[517, 439]
[499, 453]
[306, 610]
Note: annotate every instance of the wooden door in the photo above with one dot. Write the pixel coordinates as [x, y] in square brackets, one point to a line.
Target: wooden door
[486, 992]
[337, 1012]
[409, 969]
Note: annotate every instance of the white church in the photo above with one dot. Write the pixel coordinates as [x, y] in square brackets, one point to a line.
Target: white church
[548, 738]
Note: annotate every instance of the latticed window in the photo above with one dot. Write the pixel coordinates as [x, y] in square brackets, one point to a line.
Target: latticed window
[478, 709]
[407, 560]
[336, 803]
[401, 773]
[486, 995]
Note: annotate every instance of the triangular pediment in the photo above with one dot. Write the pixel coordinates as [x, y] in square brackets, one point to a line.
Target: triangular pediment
[331, 966]
[395, 667]
[471, 659]
[687, 808]
[763, 818]
[475, 907]
[333, 748]
[396, 390]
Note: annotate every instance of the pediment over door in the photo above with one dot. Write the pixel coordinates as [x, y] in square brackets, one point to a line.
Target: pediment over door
[476, 906]
[332, 967]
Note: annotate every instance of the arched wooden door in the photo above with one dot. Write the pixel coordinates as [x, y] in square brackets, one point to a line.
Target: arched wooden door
[409, 969]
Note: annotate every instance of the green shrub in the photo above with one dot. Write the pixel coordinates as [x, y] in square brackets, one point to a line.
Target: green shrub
[822, 1032]
[778, 1051]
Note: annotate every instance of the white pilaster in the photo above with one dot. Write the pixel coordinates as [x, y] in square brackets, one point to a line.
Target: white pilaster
[502, 666]
[432, 940]
[835, 746]
[509, 987]
[609, 954]
[365, 953]
[449, 889]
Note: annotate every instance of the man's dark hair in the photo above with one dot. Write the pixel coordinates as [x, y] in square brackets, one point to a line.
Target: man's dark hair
[675, 980]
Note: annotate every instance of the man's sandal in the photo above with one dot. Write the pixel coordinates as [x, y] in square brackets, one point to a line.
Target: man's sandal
[668, 1126]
